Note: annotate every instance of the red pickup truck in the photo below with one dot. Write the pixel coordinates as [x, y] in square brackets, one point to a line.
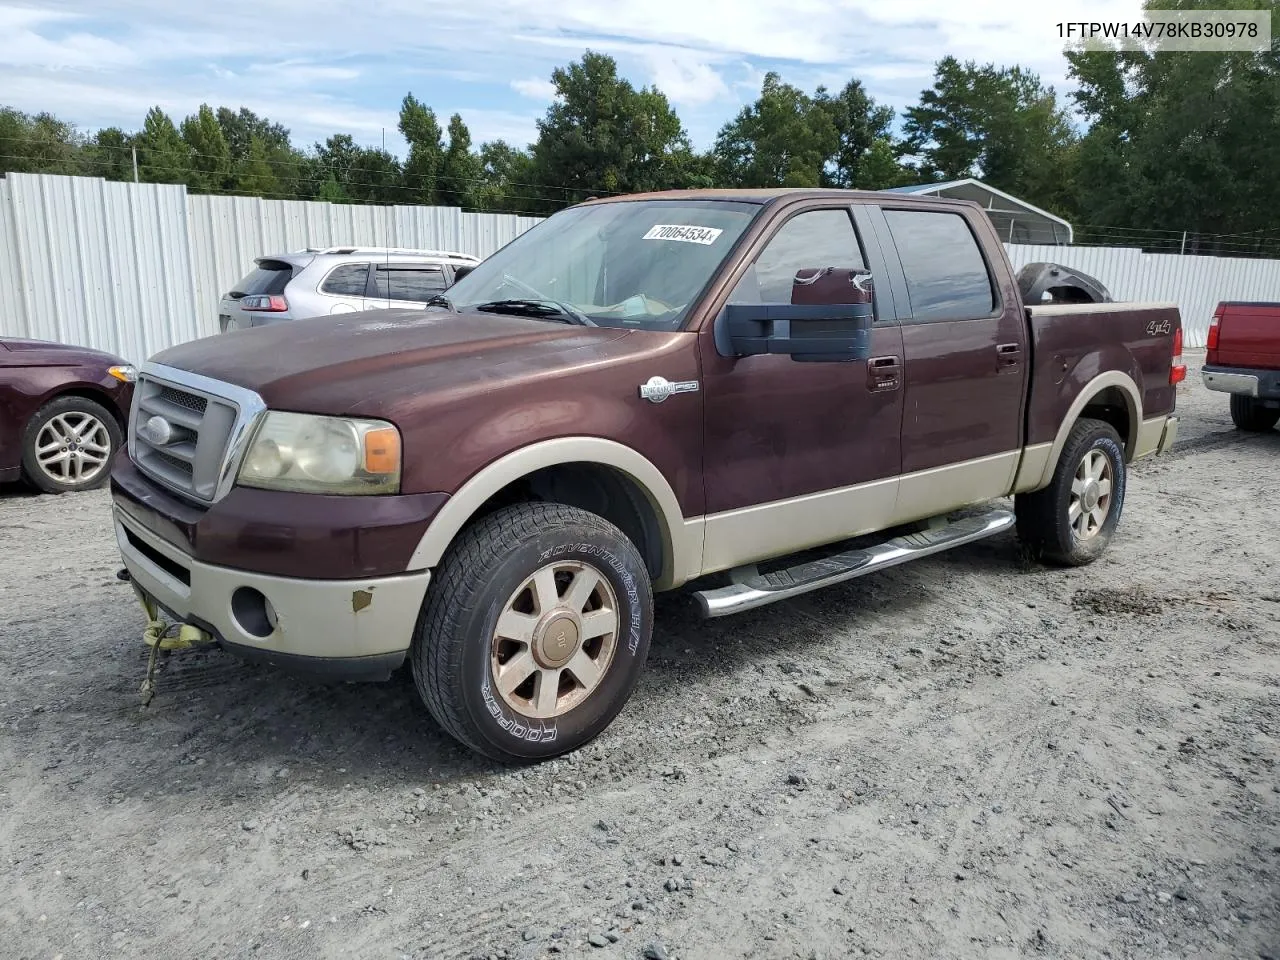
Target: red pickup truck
[1243, 359]
[758, 393]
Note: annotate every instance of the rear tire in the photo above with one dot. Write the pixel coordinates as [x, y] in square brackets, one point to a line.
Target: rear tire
[534, 632]
[1071, 521]
[68, 445]
[1248, 413]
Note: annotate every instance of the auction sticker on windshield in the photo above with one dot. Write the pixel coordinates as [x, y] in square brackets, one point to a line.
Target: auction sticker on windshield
[685, 234]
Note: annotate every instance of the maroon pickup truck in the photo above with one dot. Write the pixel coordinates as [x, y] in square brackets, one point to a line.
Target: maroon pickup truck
[1243, 359]
[756, 393]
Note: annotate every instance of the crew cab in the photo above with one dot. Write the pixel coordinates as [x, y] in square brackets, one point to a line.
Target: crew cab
[1243, 360]
[752, 393]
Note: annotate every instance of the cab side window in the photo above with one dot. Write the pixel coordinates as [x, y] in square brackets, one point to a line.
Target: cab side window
[947, 278]
[811, 240]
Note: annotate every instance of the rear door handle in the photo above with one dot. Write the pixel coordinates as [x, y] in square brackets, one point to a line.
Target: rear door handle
[884, 373]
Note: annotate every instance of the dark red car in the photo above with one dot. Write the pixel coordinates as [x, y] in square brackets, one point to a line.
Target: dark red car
[63, 413]
[1243, 360]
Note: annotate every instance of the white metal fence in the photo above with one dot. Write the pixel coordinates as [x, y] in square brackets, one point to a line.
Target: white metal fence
[134, 268]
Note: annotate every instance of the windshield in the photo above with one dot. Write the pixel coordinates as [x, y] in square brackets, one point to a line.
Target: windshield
[639, 264]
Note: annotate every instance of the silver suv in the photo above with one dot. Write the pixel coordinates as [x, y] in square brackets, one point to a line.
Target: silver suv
[314, 282]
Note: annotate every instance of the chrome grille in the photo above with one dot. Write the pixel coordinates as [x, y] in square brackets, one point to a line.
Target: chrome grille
[200, 426]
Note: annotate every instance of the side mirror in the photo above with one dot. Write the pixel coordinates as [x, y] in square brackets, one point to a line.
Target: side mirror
[829, 319]
[460, 272]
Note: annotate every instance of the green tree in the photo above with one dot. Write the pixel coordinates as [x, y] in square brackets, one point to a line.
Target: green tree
[459, 169]
[879, 168]
[362, 173]
[290, 173]
[163, 156]
[420, 128]
[1181, 141]
[505, 174]
[1000, 124]
[603, 136]
[210, 168]
[39, 143]
[109, 154]
[784, 139]
[860, 124]
[254, 175]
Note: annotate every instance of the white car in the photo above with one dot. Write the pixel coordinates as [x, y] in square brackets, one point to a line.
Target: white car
[314, 282]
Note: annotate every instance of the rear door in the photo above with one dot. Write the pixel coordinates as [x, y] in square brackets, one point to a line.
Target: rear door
[404, 284]
[965, 351]
[343, 288]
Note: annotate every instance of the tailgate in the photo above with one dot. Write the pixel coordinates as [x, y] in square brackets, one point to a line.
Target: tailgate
[1249, 336]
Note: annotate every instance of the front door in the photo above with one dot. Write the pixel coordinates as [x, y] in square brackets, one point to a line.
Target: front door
[404, 285]
[799, 454]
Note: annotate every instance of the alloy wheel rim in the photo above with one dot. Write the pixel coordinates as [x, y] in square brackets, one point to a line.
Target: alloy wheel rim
[555, 640]
[73, 447]
[1090, 495]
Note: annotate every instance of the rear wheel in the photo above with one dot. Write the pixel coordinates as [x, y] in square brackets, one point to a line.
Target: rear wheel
[68, 445]
[1072, 520]
[1248, 413]
[534, 632]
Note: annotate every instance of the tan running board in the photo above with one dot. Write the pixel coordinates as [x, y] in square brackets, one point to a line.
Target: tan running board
[751, 589]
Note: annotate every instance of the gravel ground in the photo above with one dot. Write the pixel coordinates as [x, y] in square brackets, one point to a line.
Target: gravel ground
[963, 757]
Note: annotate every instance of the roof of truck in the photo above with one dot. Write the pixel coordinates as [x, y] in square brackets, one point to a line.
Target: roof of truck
[766, 195]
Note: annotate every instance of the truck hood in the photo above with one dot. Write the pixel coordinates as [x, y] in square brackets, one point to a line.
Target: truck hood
[369, 363]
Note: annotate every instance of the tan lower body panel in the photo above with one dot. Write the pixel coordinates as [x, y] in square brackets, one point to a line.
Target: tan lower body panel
[751, 534]
[1150, 432]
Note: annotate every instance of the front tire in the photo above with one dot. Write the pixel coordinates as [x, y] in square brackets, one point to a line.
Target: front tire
[68, 445]
[1071, 521]
[1247, 413]
[534, 632]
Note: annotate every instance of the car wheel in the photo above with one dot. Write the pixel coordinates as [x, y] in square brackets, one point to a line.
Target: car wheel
[1248, 414]
[534, 632]
[1072, 520]
[68, 445]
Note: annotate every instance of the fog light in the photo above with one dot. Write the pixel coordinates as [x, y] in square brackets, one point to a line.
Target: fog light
[253, 613]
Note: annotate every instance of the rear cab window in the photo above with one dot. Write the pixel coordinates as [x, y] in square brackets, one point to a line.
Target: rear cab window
[947, 276]
[268, 277]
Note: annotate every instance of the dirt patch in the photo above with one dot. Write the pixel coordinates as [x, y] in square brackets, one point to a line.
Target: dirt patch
[1118, 601]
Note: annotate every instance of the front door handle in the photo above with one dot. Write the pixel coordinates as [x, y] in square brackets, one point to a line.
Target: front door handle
[884, 373]
[1008, 355]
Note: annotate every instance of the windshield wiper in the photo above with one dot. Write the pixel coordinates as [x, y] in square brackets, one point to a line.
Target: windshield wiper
[440, 300]
[541, 309]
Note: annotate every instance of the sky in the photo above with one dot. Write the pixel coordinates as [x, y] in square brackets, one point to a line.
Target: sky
[321, 67]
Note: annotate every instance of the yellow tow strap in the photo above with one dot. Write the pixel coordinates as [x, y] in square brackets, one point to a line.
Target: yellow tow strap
[156, 636]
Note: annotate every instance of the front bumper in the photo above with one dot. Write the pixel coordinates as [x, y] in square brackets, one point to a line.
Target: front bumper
[342, 629]
[1242, 381]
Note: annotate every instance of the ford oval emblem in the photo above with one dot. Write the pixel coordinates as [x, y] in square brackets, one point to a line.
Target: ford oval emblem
[158, 430]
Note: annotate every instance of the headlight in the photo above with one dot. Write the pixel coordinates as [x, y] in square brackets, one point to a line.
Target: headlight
[298, 451]
[125, 373]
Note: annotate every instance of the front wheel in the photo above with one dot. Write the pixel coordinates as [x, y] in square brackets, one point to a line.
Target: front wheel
[1249, 414]
[68, 445]
[534, 633]
[1071, 521]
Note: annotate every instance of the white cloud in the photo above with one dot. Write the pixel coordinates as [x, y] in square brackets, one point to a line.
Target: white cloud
[97, 61]
[534, 89]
